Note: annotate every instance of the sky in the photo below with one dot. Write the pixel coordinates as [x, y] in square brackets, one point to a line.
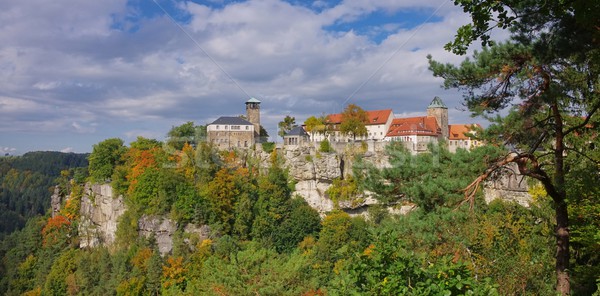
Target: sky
[74, 73]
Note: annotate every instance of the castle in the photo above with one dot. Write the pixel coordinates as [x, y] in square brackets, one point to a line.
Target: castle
[382, 126]
[228, 132]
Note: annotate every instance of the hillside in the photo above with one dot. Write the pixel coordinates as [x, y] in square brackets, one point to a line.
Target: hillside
[27, 181]
[200, 221]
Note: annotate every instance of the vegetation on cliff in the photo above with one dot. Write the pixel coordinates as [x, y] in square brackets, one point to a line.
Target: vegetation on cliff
[266, 241]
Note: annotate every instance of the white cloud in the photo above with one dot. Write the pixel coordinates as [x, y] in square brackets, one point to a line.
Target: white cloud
[67, 150]
[64, 68]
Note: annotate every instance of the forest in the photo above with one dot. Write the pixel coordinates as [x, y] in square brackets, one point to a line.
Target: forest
[27, 181]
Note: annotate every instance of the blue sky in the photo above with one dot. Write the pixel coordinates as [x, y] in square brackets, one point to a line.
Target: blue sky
[73, 73]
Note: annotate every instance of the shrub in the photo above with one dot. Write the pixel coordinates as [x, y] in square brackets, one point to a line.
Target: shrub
[268, 146]
[325, 146]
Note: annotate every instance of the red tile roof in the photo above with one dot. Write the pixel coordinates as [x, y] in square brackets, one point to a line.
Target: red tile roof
[457, 131]
[375, 117]
[422, 125]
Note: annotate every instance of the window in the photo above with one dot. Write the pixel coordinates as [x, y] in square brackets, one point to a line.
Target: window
[246, 142]
[235, 127]
[217, 127]
[225, 127]
[247, 127]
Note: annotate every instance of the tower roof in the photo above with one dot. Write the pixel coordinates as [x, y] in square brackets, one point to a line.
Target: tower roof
[253, 100]
[437, 103]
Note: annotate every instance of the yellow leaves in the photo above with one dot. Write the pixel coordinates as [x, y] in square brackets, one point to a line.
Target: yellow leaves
[538, 193]
[204, 249]
[307, 245]
[339, 266]
[35, 292]
[140, 260]
[174, 272]
[132, 286]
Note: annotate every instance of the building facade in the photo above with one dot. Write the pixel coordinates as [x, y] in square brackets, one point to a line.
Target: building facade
[232, 132]
[295, 137]
[461, 136]
[416, 133]
[378, 124]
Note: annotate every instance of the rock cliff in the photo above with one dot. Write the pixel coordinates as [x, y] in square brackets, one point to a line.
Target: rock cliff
[313, 173]
[99, 212]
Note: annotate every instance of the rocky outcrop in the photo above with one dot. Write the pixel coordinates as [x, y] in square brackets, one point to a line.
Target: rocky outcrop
[99, 212]
[313, 172]
[162, 229]
[508, 185]
[56, 201]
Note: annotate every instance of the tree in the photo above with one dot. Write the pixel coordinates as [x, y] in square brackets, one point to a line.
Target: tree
[315, 125]
[105, 156]
[286, 125]
[186, 133]
[430, 180]
[353, 123]
[550, 70]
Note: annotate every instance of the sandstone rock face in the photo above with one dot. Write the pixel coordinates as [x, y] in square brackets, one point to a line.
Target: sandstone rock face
[313, 173]
[509, 186]
[99, 212]
[56, 201]
[161, 228]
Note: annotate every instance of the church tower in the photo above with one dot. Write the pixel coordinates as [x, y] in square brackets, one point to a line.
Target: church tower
[438, 109]
[253, 114]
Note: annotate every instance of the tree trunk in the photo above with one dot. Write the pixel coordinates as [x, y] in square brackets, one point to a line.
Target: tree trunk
[563, 286]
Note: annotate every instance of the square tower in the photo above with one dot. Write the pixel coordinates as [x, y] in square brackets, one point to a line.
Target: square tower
[253, 114]
[438, 109]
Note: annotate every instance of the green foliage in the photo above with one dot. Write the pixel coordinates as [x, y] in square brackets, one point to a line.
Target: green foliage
[340, 236]
[186, 133]
[61, 279]
[354, 120]
[325, 146]
[431, 179]
[386, 267]
[286, 125]
[270, 208]
[105, 156]
[342, 190]
[268, 146]
[253, 271]
[298, 222]
[26, 184]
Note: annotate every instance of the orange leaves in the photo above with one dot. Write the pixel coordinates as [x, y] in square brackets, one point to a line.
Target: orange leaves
[369, 250]
[140, 161]
[54, 228]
